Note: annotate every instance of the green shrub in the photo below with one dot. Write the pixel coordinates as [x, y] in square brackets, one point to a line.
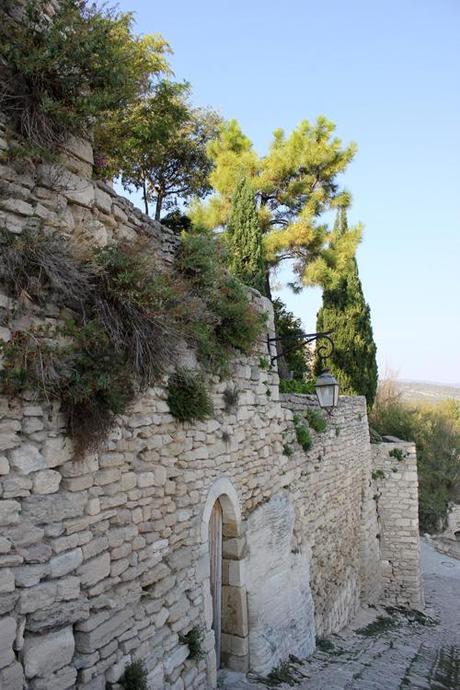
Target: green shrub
[378, 474]
[134, 676]
[231, 320]
[75, 365]
[287, 450]
[188, 398]
[315, 420]
[302, 434]
[294, 386]
[397, 453]
[193, 639]
[57, 74]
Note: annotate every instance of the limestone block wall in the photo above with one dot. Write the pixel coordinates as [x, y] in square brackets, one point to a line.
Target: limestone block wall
[396, 496]
[336, 517]
[106, 559]
[62, 196]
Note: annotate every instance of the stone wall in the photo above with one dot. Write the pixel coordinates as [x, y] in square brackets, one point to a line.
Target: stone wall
[106, 559]
[396, 496]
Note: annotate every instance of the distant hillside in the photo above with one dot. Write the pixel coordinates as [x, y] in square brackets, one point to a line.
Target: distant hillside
[419, 391]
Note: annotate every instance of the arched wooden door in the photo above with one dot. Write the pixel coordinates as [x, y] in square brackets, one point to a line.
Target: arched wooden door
[215, 553]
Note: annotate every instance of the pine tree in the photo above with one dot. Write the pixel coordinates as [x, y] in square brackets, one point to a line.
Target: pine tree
[294, 185]
[345, 311]
[244, 238]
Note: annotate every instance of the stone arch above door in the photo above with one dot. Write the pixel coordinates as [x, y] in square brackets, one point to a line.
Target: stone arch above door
[234, 628]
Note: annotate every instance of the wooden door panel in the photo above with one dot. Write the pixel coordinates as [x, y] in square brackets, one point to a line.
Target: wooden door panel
[215, 554]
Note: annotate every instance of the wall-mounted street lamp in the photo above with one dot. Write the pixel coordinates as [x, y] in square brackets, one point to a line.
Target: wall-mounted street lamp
[327, 391]
[326, 386]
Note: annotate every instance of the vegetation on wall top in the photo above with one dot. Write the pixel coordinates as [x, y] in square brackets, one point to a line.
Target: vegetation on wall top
[122, 321]
[63, 72]
[436, 433]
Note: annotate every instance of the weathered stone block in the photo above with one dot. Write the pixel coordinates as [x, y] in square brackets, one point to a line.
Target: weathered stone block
[9, 512]
[27, 458]
[46, 482]
[64, 679]
[7, 636]
[65, 562]
[6, 580]
[53, 508]
[4, 465]
[12, 677]
[94, 570]
[39, 597]
[58, 615]
[57, 451]
[47, 653]
[87, 642]
[175, 659]
[30, 575]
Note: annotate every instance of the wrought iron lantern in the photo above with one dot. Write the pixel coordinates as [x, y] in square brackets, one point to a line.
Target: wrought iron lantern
[326, 386]
[327, 391]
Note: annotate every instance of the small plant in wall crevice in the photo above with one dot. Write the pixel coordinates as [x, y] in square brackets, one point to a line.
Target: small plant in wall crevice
[134, 676]
[397, 453]
[302, 434]
[315, 420]
[231, 395]
[193, 639]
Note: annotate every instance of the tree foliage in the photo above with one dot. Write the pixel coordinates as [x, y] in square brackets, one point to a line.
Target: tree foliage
[294, 185]
[436, 432]
[158, 145]
[61, 75]
[297, 361]
[345, 312]
[244, 238]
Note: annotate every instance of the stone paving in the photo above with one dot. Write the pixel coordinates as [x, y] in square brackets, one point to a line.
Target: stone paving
[385, 649]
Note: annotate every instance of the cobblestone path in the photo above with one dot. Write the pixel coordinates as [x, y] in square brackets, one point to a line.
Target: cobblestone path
[388, 649]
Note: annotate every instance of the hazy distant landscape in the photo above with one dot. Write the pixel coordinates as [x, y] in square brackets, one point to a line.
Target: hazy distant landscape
[420, 391]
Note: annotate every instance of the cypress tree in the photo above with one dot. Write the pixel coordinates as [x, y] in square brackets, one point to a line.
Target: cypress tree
[344, 310]
[244, 236]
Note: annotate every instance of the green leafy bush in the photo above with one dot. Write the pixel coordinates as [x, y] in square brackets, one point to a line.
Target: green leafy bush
[188, 398]
[296, 386]
[231, 320]
[59, 74]
[134, 676]
[302, 434]
[378, 474]
[315, 420]
[193, 639]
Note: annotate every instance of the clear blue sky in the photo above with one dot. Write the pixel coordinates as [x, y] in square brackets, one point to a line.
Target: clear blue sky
[388, 74]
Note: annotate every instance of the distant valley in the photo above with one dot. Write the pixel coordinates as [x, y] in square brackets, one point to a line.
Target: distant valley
[420, 391]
